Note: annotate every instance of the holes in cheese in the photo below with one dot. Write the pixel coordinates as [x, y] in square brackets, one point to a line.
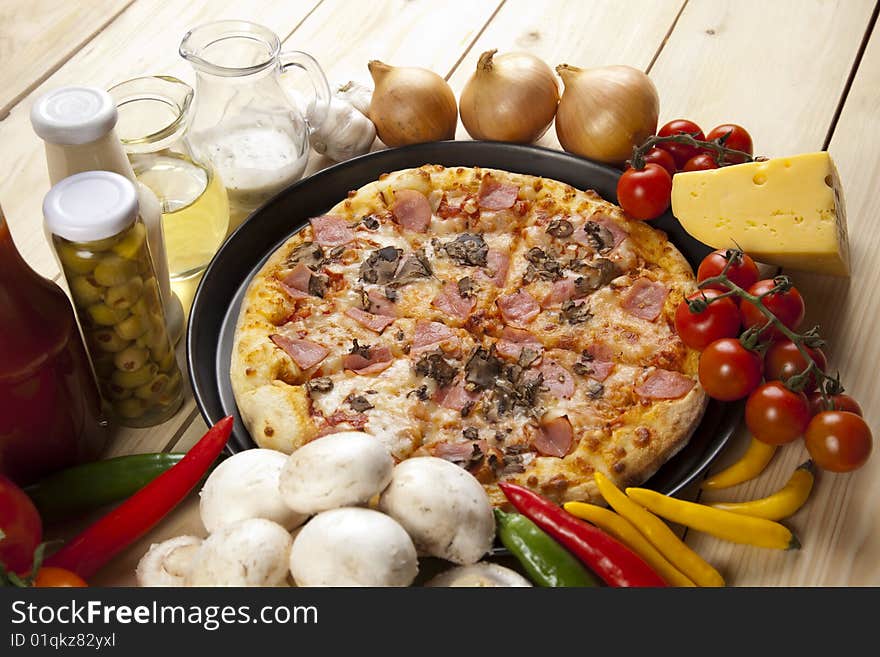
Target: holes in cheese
[785, 211]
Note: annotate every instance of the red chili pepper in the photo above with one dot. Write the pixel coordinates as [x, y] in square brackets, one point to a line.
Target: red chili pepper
[87, 552]
[610, 559]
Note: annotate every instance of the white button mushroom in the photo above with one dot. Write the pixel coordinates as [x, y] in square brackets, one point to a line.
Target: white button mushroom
[353, 547]
[246, 486]
[442, 507]
[480, 575]
[168, 562]
[252, 552]
[342, 469]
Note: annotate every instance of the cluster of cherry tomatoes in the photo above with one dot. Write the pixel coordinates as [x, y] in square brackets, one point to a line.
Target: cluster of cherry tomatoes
[645, 193]
[838, 439]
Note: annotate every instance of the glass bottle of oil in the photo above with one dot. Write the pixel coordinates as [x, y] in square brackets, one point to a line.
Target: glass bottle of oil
[153, 115]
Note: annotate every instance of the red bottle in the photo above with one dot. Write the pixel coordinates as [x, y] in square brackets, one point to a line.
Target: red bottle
[50, 411]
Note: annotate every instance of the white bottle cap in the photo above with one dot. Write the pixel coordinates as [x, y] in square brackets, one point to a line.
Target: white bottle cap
[91, 205]
[73, 115]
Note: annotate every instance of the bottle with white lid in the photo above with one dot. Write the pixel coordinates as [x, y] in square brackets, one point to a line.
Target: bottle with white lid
[78, 125]
[102, 245]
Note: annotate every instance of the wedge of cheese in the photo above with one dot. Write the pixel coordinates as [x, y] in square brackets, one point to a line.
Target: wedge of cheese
[787, 211]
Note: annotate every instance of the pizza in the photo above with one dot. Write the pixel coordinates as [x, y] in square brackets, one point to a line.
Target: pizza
[511, 324]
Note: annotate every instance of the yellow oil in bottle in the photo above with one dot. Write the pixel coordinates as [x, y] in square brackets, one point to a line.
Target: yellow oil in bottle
[195, 209]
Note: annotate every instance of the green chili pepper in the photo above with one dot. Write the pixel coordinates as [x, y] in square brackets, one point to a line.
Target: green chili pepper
[93, 485]
[544, 560]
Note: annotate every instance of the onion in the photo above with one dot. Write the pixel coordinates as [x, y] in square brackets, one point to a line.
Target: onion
[411, 105]
[605, 112]
[512, 97]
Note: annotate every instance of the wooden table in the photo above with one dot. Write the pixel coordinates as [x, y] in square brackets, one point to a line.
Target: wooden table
[801, 75]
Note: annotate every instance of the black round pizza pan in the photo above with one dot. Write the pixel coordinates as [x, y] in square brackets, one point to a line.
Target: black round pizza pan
[218, 297]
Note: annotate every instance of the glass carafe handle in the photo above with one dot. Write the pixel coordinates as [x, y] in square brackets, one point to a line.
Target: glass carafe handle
[318, 106]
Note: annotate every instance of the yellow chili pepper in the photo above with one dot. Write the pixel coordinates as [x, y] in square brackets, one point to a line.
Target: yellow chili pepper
[623, 530]
[659, 535]
[781, 504]
[722, 524]
[752, 463]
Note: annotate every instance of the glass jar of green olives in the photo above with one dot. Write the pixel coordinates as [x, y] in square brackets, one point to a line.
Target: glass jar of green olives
[102, 245]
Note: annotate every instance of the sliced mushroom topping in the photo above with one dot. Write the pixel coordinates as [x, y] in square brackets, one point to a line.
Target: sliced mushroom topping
[576, 313]
[308, 253]
[471, 433]
[362, 350]
[542, 265]
[420, 393]
[483, 368]
[358, 403]
[599, 236]
[318, 285]
[390, 294]
[527, 356]
[596, 390]
[465, 287]
[560, 228]
[321, 384]
[370, 222]
[595, 276]
[381, 265]
[414, 267]
[467, 249]
[434, 366]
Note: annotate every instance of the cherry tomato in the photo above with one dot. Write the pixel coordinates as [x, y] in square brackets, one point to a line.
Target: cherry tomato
[743, 271]
[838, 441]
[739, 140]
[729, 371]
[681, 153]
[661, 157]
[51, 577]
[21, 527]
[644, 193]
[776, 415]
[784, 360]
[787, 306]
[700, 162]
[841, 402]
[719, 319]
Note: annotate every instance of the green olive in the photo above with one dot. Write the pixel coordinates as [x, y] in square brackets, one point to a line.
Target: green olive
[99, 245]
[85, 291]
[108, 340]
[132, 243]
[113, 270]
[166, 361]
[132, 327]
[171, 394]
[76, 260]
[104, 315]
[136, 378]
[131, 359]
[154, 388]
[125, 295]
[129, 409]
[114, 392]
[152, 297]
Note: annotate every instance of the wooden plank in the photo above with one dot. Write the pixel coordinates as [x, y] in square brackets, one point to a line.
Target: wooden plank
[838, 526]
[785, 91]
[37, 36]
[563, 32]
[141, 41]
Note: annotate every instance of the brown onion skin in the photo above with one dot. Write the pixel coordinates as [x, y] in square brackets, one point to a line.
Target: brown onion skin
[605, 112]
[511, 97]
[411, 105]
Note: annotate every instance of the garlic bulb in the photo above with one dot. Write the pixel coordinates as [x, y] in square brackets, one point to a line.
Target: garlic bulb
[411, 105]
[605, 112]
[511, 97]
[357, 94]
[346, 132]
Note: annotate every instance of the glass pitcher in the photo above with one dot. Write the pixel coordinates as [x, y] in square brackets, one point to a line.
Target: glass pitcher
[153, 117]
[254, 130]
